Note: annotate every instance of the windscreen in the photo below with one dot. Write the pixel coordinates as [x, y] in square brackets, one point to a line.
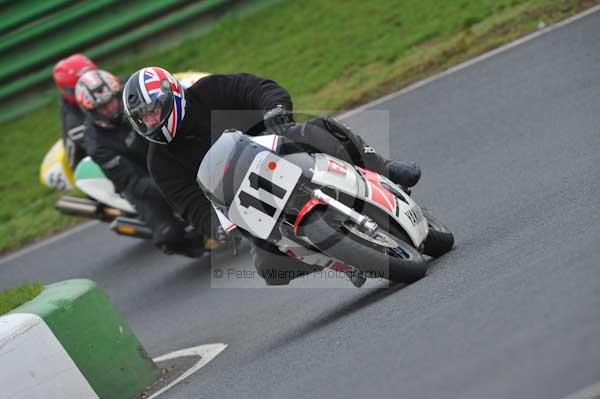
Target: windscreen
[224, 166]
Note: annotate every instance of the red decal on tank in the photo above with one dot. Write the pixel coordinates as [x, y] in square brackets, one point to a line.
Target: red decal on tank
[377, 193]
[336, 167]
[340, 267]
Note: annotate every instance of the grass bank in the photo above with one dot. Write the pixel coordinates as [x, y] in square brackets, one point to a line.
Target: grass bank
[15, 297]
[330, 55]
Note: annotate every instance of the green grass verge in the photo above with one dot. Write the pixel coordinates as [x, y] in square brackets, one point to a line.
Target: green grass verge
[15, 297]
[330, 55]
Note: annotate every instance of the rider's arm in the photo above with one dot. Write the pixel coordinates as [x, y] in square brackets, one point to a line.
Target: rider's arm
[73, 129]
[330, 136]
[259, 93]
[176, 179]
[241, 91]
[234, 101]
[124, 174]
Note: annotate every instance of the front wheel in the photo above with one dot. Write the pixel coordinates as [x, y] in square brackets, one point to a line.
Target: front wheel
[381, 256]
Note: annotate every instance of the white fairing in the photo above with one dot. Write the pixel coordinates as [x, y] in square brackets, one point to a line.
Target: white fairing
[103, 191]
[329, 172]
[256, 209]
[225, 223]
[369, 186]
[268, 141]
[334, 172]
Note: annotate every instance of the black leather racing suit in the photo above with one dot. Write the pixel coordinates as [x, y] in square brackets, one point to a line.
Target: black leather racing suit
[121, 153]
[239, 101]
[73, 128]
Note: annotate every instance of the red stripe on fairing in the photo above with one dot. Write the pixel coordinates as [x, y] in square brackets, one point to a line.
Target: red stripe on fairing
[310, 204]
[377, 193]
[230, 227]
[293, 255]
[341, 267]
[336, 167]
[381, 196]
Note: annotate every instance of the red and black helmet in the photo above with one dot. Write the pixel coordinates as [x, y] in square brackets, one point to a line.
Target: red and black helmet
[67, 71]
[98, 94]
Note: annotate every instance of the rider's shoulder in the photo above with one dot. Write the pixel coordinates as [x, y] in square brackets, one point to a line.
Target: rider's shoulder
[206, 81]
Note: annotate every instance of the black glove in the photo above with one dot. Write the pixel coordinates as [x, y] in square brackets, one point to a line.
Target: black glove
[278, 120]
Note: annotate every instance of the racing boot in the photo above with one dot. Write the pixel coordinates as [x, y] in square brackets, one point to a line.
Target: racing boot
[405, 174]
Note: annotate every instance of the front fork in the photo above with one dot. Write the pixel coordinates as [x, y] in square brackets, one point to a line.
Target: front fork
[364, 223]
[318, 197]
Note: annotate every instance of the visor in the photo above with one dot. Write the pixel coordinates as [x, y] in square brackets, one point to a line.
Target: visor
[149, 118]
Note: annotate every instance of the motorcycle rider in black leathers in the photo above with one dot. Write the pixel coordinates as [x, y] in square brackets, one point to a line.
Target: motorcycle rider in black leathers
[65, 74]
[182, 124]
[121, 154]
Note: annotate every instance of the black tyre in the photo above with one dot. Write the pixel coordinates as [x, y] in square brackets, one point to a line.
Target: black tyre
[440, 239]
[331, 233]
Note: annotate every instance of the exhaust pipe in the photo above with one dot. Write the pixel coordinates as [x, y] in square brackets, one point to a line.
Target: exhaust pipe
[131, 227]
[85, 207]
[78, 207]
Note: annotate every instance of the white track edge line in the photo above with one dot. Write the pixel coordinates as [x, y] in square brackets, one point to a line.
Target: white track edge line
[47, 241]
[206, 352]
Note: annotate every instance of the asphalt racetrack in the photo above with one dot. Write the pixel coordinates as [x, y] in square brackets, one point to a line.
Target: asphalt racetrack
[510, 152]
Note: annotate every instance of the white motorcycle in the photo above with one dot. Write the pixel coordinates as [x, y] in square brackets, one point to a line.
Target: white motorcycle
[320, 209]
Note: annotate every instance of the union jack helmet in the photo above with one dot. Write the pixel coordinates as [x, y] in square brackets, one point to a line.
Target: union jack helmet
[154, 103]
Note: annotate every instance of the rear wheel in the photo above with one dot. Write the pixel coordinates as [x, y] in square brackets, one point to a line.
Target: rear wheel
[440, 239]
[382, 255]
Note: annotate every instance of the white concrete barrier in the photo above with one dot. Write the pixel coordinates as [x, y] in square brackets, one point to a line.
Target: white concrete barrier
[33, 364]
